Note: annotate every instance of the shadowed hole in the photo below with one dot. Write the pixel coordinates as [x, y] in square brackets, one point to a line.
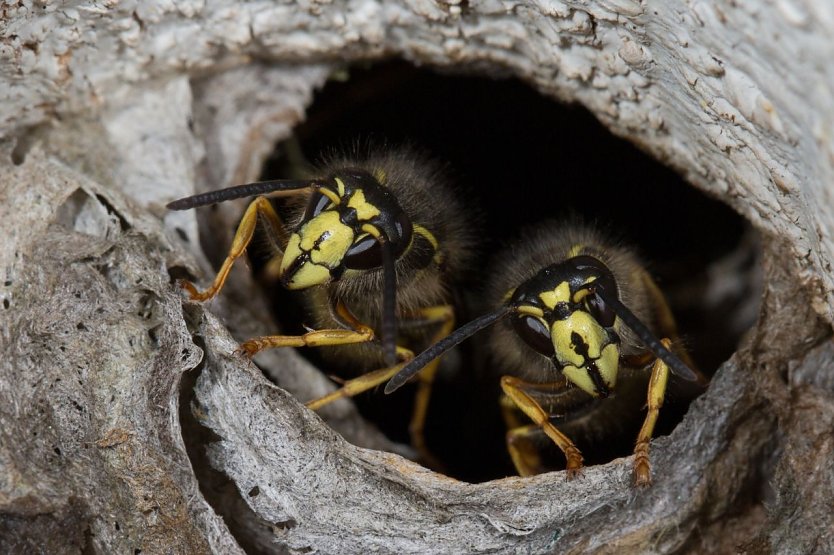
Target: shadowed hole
[521, 158]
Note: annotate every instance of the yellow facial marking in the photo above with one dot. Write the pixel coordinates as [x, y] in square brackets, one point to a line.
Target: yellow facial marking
[308, 275]
[316, 228]
[334, 198]
[380, 176]
[530, 311]
[429, 236]
[581, 294]
[326, 238]
[607, 365]
[559, 295]
[587, 328]
[575, 250]
[340, 186]
[420, 230]
[364, 210]
[580, 378]
[370, 230]
[291, 251]
[323, 241]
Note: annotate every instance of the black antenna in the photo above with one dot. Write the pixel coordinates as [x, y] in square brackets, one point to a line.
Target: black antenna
[457, 336]
[653, 343]
[241, 191]
[389, 303]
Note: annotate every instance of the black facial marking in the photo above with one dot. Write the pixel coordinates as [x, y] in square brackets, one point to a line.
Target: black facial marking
[580, 273]
[391, 221]
[348, 215]
[562, 311]
[317, 243]
[596, 377]
[337, 272]
[294, 266]
[579, 345]
[574, 271]
[589, 365]
[304, 258]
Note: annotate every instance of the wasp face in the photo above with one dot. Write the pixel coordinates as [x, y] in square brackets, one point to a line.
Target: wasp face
[560, 316]
[341, 230]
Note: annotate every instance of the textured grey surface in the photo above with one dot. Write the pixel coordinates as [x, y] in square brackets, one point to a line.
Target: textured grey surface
[95, 343]
[109, 112]
[737, 97]
[375, 500]
[94, 346]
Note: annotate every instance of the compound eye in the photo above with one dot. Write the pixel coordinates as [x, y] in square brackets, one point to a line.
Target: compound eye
[601, 312]
[365, 254]
[318, 202]
[534, 333]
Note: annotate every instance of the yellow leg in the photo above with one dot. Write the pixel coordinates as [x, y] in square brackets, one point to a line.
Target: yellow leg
[557, 396]
[524, 455]
[317, 338]
[444, 314]
[514, 389]
[243, 236]
[656, 393]
[509, 411]
[667, 324]
[358, 385]
[364, 382]
[358, 333]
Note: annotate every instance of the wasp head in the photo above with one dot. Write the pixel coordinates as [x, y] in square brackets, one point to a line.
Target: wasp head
[559, 314]
[347, 218]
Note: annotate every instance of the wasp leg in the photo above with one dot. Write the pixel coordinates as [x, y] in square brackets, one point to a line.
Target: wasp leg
[363, 383]
[523, 451]
[656, 393]
[356, 332]
[316, 338]
[667, 325]
[243, 236]
[514, 388]
[556, 396]
[443, 314]
[509, 411]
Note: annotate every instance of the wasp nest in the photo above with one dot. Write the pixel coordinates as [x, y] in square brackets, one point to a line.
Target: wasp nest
[128, 426]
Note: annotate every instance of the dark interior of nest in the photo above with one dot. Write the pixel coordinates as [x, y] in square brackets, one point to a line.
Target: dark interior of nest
[521, 158]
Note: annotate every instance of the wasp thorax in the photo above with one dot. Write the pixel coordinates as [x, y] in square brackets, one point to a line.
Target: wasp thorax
[347, 220]
[561, 317]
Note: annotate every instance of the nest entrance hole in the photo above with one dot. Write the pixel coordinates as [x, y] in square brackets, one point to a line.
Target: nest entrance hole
[521, 158]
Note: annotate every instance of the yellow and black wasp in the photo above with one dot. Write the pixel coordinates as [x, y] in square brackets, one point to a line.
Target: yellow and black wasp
[375, 250]
[576, 319]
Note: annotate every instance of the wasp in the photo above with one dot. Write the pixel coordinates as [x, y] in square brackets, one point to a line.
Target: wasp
[578, 326]
[373, 250]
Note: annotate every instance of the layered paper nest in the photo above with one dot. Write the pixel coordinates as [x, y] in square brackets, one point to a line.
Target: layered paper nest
[128, 425]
